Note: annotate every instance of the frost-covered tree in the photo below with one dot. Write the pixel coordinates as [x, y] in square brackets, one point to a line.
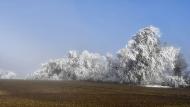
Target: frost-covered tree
[112, 74]
[145, 61]
[180, 65]
[187, 77]
[7, 74]
[75, 66]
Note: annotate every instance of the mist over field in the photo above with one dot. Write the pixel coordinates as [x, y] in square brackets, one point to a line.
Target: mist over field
[144, 61]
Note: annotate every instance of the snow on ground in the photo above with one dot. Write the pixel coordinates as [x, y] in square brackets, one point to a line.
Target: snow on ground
[156, 86]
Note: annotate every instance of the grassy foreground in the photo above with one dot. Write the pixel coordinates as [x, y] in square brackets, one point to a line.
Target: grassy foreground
[20, 93]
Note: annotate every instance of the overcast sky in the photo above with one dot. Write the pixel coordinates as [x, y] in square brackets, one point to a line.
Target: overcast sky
[34, 31]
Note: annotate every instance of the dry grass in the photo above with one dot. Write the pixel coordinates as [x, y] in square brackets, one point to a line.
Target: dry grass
[20, 93]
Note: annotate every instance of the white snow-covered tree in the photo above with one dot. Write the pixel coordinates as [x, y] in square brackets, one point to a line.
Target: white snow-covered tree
[187, 77]
[7, 74]
[145, 61]
[180, 65]
[75, 66]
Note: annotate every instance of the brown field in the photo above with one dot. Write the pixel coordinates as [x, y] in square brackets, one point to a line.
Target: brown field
[20, 93]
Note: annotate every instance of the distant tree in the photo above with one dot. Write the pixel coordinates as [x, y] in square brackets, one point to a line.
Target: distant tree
[180, 65]
[143, 61]
[187, 77]
[74, 66]
[7, 74]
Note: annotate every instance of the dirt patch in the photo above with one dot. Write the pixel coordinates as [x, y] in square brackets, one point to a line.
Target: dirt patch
[3, 92]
